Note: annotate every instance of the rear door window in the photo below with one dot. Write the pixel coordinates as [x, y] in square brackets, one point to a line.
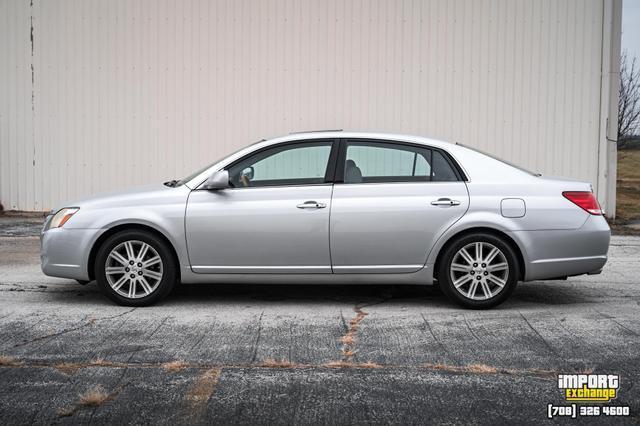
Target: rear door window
[371, 161]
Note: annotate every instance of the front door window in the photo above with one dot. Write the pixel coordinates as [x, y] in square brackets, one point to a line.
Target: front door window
[285, 165]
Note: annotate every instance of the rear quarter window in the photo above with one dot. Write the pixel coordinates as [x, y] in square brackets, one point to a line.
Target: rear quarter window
[442, 169]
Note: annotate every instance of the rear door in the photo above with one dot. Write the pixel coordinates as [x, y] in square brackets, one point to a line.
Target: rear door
[390, 203]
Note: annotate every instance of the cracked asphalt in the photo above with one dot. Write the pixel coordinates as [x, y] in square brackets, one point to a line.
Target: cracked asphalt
[306, 354]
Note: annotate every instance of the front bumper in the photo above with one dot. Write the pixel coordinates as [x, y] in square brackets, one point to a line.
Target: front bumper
[561, 253]
[65, 252]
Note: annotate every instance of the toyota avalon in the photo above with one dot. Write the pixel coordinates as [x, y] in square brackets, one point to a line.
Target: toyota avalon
[334, 207]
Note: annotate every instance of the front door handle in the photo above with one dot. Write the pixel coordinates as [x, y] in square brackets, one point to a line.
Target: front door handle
[311, 205]
[445, 202]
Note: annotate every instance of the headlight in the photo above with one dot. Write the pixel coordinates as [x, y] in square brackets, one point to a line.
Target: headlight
[62, 217]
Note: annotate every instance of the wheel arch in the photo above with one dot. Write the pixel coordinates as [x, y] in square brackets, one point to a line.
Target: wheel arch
[128, 227]
[487, 230]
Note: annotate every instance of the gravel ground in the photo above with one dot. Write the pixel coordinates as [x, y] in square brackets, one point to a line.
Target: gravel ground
[306, 354]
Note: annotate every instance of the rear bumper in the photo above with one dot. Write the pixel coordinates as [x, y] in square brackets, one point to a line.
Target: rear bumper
[558, 253]
[553, 268]
[64, 252]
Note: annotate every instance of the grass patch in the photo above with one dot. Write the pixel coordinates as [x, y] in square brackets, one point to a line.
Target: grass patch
[274, 363]
[348, 339]
[8, 361]
[369, 364]
[628, 191]
[94, 397]
[68, 368]
[349, 364]
[338, 364]
[471, 368]
[174, 366]
[66, 412]
[481, 369]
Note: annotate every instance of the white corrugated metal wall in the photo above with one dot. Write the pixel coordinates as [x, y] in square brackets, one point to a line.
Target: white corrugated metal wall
[128, 92]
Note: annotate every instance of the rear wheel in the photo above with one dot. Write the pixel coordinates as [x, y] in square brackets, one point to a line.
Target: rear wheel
[478, 271]
[135, 268]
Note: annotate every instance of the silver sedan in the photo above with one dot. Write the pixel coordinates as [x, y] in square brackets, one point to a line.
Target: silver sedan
[334, 207]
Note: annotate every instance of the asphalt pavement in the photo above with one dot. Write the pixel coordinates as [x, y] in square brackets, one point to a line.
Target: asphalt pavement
[287, 354]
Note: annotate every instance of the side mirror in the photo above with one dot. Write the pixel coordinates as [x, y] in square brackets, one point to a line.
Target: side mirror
[218, 180]
[248, 173]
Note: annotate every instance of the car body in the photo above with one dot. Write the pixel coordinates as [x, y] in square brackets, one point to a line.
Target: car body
[340, 207]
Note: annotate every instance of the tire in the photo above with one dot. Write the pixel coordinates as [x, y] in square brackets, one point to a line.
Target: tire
[147, 280]
[457, 272]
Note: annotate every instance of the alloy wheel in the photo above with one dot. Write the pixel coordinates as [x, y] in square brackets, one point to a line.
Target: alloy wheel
[133, 269]
[479, 271]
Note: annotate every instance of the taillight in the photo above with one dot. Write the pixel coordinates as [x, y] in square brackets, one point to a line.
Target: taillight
[585, 200]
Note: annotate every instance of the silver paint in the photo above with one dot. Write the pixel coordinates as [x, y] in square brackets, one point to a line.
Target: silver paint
[357, 233]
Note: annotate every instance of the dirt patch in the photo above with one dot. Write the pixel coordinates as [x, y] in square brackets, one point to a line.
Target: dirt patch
[350, 338]
[173, 366]
[199, 395]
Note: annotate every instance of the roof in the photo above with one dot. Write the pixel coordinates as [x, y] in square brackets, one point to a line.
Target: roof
[476, 165]
[324, 134]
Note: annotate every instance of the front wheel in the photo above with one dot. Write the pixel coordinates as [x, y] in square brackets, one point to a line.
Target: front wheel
[135, 268]
[479, 271]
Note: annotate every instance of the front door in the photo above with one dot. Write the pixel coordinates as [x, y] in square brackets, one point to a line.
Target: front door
[275, 219]
[395, 201]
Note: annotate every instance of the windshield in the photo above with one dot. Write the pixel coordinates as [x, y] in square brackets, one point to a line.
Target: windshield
[522, 169]
[196, 173]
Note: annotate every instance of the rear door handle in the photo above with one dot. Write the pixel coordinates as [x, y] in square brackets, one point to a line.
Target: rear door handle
[445, 202]
[311, 205]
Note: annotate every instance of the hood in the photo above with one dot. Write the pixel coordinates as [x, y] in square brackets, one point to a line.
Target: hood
[132, 197]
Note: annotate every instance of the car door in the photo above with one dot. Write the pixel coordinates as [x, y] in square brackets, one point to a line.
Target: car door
[275, 218]
[394, 201]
